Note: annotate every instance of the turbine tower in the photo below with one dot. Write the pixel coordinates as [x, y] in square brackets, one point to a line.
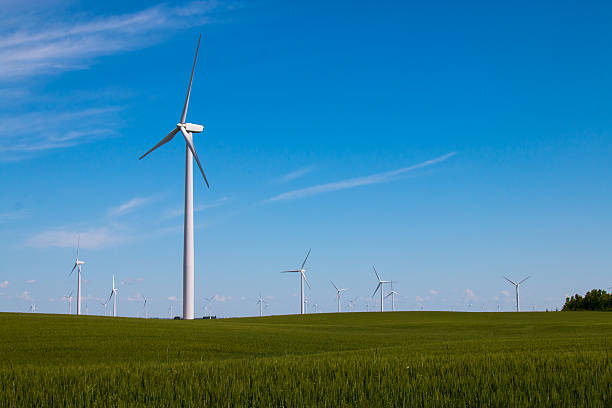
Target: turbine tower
[77, 265]
[517, 286]
[303, 279]
[113, 295]
[338, 294]
[392, 294]
[187, 130]
[380, 285]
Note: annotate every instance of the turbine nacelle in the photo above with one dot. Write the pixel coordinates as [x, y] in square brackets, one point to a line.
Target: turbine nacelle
[191, 127]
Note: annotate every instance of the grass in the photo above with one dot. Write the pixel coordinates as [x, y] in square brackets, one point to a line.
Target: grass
[325, 360]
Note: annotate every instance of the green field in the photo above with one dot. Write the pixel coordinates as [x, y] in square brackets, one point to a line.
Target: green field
[407, 359]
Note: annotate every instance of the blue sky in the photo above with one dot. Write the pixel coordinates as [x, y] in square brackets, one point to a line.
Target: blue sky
[446, 144]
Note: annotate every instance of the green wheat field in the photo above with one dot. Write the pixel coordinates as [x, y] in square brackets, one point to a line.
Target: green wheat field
[409, 359]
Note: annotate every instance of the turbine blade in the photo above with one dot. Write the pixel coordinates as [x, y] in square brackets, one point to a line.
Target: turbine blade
[184, 114]
[378, 277]
[165, 140]
[509, 281]
[376, 290]
[524, 280]
[305, 259]
[335, 286]
[290, 271]
[306, 280]
[195, 155]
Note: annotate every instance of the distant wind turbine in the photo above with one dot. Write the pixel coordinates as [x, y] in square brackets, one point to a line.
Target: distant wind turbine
[338, 295]
[170, 310]
[517, 286]
[113, 295]
[146, 299]
[392, 294]
[77, 265]
[261, 302]
[104, 304]
[303, 279]
[68, 299]
[210, 301]
[380, 285]
[33, 307]
[187, 130]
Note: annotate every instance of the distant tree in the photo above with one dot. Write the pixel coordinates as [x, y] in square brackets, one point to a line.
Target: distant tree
[595, 299]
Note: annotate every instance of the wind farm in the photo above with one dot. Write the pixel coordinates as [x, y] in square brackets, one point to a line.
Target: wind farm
[446, 145]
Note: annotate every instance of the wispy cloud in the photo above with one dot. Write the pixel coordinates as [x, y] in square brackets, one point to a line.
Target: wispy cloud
[33, 47]
[295, 174]
[4, 284]
[25, 295]
[24, 134]
[419, 299]
[31, 281]
[505, 293]
[433, 292]
[357, 182]
[129, 206]
[93, 238]
[131, 281]
[13, 215]
[172, 298]
[202, 207]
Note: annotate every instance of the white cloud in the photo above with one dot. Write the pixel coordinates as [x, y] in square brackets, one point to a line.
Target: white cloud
[419, 299]
[202, 207]
[357, 182]
[172, 298]
[4, 284]
[31, 281]
[295, 174]
[25, 295]
[222, 299]
[36, 47]
[433, 292]
[94, 238]
[505, 293]
[469, 295]
[137, 297]
[129, 206]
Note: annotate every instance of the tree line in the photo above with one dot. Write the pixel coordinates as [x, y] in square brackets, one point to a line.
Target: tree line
[595, 299]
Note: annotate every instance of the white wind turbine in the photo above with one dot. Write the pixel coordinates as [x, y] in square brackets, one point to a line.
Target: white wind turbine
[146, 299]
[170, 310]
[210, 301]
[104, 304]
[338, 294]
[77, 265]
[187, 130]
[113, 295]
[68, 298]
[303, 279]
[33, 307]
[517, 286]
[380, 285]
[392, 294]
[262, 303]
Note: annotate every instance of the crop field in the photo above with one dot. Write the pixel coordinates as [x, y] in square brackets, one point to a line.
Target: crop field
[429, 359]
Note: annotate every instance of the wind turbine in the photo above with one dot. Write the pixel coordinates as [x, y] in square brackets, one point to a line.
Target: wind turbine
[517, 285]
[380, 285]
[33, 307]
[303, 279]
[170, 310]
[146, 299]
[104, 304]
[113, 295]
[187, 130]
[392, 294]
[210, 301]
[68, 299]
[77, 265]
[261, 302]
[338, 293]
